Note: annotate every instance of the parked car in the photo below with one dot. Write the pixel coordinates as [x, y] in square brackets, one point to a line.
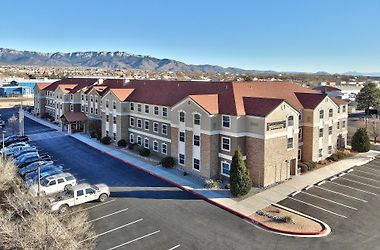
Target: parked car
[54, 184]
[43, 169]
[12, 145]
[43, 175]
[12, 139]
[31, 149]
[24, 157]
[32, 158]
[2, 123]
[17, 149]
[80, 194]
[33, 167]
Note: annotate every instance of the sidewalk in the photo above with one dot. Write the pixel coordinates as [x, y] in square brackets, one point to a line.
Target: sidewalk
[245, 206]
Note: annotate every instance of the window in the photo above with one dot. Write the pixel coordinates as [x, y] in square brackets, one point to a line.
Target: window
[226, 144]
[90, 98]
[320, 152]
[300, 134]
[155, 127]
[131, 121]
[71, 107]
[80, 193]
[196, 140]
[164, 112]
[156, 110]
[226, 121]
[181, 116]
[330, 113]
[290, 121]
[343, 124]
[321, 132]
[106, 103]
[114, 119]
[196, 164]
[197, 119]
[82, 97]
[146, 142]
[69, 178]
[131, 138]
[338, 125]
[96, 111]
[155, 146]
[146, 125]
[71, 96]
[164, 129]
[164, 148]
[139, 123]
[299, 154]
[330, 130]
[132, 106]
[114, 105]
[182, 136]
[225, 168]
[107, 118]
[96, 99]
[330, 150]
[139, 107]
[181, 159]
[344, 108]
[139, 140]
[91, 110]
[321, 114]
[146, 108]
[114, 136]
[52, 183]
[338, 109]
[90, 191]
[290, 143]
[107, 133]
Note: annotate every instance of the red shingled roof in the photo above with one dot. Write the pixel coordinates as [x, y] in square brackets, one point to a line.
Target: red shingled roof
[310, 100]
[338, 101]
[74, 116]
[80, 82]
[260, 106]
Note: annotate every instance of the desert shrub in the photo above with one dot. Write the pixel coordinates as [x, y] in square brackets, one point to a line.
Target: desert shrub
[167, 162]
[334, 157]
[122, 143]
[93, 134]
[144, 152]
[106, 140]
[310, 165]
[131, 146]
[212, 184]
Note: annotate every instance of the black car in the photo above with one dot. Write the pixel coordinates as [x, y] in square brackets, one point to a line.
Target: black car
[12, 139]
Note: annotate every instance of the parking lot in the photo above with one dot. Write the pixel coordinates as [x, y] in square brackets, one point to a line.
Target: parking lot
[347, 199]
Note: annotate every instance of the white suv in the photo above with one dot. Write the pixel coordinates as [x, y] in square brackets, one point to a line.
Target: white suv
[54, 184]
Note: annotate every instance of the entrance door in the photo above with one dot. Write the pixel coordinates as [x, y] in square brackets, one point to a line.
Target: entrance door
[293, 167]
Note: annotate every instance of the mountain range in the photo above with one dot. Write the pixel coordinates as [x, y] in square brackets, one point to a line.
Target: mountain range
[115, 60]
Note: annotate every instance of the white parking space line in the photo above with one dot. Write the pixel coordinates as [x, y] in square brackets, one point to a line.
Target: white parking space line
[175, 247]
[335, 202]
[370, 173]
[134, 240]
[364, 177]
[321, 208]
[346, 195]
[357, 189]
[108, 215]
[362, 183]
[90, 207]
[371, 169]
[112, 230]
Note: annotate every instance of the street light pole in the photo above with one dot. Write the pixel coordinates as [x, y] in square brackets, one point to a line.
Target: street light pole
[39, 178]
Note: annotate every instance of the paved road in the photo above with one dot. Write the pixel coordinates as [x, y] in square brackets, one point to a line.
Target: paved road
[145, 212]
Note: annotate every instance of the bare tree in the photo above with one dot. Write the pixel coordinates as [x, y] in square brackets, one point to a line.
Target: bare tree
[13, 124]
[374, 128]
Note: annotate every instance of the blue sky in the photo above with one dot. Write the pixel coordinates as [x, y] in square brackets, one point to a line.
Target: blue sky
[284, 35]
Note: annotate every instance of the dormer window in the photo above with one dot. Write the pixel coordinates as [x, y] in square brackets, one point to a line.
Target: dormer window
[181, 116]
[197, 119]
[226, 121]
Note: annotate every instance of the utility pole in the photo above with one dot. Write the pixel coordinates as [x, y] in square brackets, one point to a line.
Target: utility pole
[21, 120]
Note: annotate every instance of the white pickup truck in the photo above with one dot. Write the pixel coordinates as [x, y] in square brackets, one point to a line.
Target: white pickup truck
[80, 194]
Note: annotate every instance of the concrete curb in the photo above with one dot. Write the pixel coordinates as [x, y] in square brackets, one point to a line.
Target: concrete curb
[260, 224]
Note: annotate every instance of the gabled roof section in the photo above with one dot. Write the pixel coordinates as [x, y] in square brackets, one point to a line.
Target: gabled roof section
[80, 82]
[66, 88]
[257, 106]
[207, 102]
[74, 116]
[122, 94]
[42, 85]
[310, 100]
[338, 101]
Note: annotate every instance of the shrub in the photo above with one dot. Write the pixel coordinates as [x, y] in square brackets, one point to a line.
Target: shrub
[212, 184]
[106, 140]
[227, 186]
[310, 165]
[167, 162]
[93, 134]
[144, 152]
[334, 157]
[240, 181]
[122, 143]
[46, 116]
[360, 141]
[131, 146]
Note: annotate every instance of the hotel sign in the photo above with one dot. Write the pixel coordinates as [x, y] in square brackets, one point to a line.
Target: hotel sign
[276, 125]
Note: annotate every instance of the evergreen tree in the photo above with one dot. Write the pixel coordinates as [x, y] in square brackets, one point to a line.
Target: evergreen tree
[240, 182]
[360, 141]
[369, 96]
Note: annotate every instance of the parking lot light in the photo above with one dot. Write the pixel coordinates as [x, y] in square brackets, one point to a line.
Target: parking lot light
[39, 177]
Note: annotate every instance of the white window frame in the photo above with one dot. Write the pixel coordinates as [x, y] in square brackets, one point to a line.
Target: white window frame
[200, 119]
[288, 121]
[155, 146]
[221, 168]
[158, 110]
[229, 144]
[145, 108]
[131, 138]
[229, 121]
[164, 145]
[199, 164]
[131, 106]
[287, 143]
[137, 123]
[141, 142]
[164, 111]
[154, 127]
[179, 136]
[199, 141]
[131, 121]
[166, 129]
[145, 123]
[146, 139]
[179, 159]
[184, 116]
